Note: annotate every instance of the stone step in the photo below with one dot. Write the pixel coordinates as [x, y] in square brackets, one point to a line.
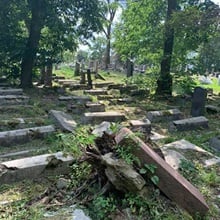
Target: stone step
[11, 91]
[164, 115]
[96, 92]
[13, 99]
[189, 124]
[13, 137]
[35, 167]
[98, 117]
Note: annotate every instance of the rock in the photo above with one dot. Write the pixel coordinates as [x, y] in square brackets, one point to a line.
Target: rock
[212, 109]
[62, 183]
[122, 175]
[215, 143]
[101, 128]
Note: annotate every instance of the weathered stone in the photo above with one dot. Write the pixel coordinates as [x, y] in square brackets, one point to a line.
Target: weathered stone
[174, 152]
[11, 92]
[56, 78]
[102, 128]
[96, 92]
[8, 138]
[198, 102]
[62, 183]
[77, 87]
[76, 108]
[122, 101]
[140, 92]
[154, 136]
[34, 167]
[105, 97]
[175, 186]
[127, 89]
[164, 115]
[76, 99]
[13, 99]
[189, 124]
[98, 117]
[215, 143]
[212, 109]
[115, 86]
[95, 107]
[64, 121]
[142, 126]
[102, 84]
[122, 175]
[66, 81]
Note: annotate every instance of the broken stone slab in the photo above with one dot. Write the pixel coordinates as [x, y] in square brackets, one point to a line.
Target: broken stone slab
[141, 126]
[122, 175]
[212, 109]
[35, 167]
[13, 99]
[11, 91]
[127, 89]
[95, 107]
[13, 137]
[175, 151]
[64, 121]
[104, 127]
[98, 117]
[215, 143]
[76, 99]
[164, 115]
[122, 101]
[189, 124]
[96, 92]
[154, 136]
[171, 183]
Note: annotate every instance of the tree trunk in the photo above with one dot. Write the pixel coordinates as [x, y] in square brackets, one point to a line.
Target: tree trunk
[129, 68]
[48, 76]
[107, 51]
[164, 83]
[32, 43]
[43, 74]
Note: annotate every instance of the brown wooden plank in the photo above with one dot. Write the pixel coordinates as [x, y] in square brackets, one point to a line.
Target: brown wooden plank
[171, 183]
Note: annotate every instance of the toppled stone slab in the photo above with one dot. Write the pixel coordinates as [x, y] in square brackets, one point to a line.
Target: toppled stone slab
[76, 99]
[76, 108]
[215, 143]
[174, 186]
[127, 89]
[95, 107]
[13, 99]
[212, 109]
[164, 115]
[141, 126]
[96, 92]
[98, 117]
[189, 124]
[11, 92]
[104, 127]
[122, 101]
[65, 81]
[13, 137]
[34, 167]
[56, 78]
[64, 121]
[175, 152]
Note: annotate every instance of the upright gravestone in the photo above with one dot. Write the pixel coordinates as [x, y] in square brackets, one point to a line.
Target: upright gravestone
[77, 69]
[198, 102]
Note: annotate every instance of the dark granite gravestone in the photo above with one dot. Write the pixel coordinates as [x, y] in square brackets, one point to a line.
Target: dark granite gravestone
[198, 102]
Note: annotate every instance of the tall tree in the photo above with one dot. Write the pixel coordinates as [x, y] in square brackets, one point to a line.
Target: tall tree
[164, 82]
[80, 19]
